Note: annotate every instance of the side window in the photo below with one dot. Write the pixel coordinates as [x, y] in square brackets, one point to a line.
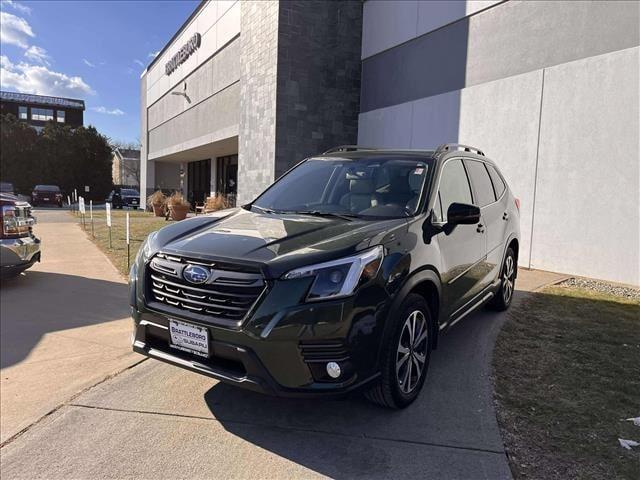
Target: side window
[454, 186]
[482, 186]
[498, 183]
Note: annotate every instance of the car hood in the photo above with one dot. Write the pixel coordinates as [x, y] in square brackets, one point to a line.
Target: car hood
[275, 243]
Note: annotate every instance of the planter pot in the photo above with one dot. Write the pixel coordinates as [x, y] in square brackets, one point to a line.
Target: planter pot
[158, 209]
[178, 212]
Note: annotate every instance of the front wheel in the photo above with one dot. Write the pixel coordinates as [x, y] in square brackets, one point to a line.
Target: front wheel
[405, 357]
[504, 295]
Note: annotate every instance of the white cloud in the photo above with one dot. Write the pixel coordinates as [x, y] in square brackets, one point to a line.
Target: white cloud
[15, 30]
[38, 54]
[88, 63]
[138, 62]
[153, 54]
[106, 111]
[16, 6]
[27, 78]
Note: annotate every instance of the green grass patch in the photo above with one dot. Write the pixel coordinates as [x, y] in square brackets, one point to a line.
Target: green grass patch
[566, 368]
[141, 224]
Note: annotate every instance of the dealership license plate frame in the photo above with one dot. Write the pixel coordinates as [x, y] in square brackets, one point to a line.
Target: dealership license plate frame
[177, 339]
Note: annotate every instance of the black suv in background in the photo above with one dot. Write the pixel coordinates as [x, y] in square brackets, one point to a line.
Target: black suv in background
[46, 195]
[341, 275]
[124, 197]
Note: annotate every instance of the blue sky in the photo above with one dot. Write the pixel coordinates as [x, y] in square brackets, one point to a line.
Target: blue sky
[93, 50]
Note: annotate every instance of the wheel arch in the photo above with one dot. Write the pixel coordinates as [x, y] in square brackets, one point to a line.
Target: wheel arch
[426, 283]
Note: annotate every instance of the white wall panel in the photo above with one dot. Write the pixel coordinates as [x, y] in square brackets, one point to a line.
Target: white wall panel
[217, 22]
[387, 127]
[387, 23]
[436, 13]
[501, 118]
[587, 201]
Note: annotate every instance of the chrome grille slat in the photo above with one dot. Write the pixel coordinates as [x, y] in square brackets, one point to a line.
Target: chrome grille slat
[196, 302]
[229, 295]
[189, 287]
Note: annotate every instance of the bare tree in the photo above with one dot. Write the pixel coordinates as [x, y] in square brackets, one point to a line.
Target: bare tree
[129, 169]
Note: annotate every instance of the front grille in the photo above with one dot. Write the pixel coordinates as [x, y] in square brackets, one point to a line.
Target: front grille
[324, 351]
[227, 295]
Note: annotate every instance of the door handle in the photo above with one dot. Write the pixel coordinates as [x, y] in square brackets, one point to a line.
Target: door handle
[505, 216]
[480, 228]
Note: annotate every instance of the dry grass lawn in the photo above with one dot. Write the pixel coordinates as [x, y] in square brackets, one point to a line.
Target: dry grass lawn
[141, 224]
[567, 374]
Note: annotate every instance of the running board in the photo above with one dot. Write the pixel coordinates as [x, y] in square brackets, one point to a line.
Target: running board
[484, 299]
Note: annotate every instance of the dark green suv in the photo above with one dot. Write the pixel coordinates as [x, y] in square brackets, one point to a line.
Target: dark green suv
[340, 276]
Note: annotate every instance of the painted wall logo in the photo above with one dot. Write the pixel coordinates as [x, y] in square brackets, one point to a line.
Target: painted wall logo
[185, 52]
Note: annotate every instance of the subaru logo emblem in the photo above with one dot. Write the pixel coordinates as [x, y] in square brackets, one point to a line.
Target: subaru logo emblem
[196, 274]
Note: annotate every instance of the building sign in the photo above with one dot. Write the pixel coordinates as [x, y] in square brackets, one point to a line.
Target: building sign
[185, 52]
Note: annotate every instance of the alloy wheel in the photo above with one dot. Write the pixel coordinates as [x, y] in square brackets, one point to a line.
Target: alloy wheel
[508, 279]
[411, 355]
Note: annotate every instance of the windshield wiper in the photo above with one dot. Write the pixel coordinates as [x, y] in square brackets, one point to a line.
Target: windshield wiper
[264, 210]
[316, 213]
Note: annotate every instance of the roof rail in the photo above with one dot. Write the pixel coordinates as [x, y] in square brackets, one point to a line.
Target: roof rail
[453, 147]
[348, 148]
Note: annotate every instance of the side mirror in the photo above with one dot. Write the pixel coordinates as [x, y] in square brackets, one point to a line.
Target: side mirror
[463, 214]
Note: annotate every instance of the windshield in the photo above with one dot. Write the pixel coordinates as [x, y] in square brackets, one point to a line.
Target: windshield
[131, 193]
[378, 187]
[48, 188]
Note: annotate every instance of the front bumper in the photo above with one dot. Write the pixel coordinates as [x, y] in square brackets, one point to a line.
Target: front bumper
[18, 254]
[282, 349]
[232, 364]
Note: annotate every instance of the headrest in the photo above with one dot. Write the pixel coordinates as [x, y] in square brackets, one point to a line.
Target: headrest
[362, 186]
[399, 184]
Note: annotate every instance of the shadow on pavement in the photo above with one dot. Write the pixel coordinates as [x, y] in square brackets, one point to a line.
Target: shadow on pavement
[36, 303]
[455, 410]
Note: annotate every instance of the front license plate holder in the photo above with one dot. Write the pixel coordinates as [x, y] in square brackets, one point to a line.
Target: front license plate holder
[189, 338]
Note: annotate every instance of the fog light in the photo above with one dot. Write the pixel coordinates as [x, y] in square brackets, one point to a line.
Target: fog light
[333, 369]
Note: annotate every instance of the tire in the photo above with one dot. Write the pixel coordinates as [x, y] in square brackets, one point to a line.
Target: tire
[508, 272]
[397, 388]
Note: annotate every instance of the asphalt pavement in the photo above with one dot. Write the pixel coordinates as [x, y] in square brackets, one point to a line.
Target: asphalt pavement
[153, 420]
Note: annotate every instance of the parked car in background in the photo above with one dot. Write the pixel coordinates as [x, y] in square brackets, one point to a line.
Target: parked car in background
[339, 276]
[46, 195]
[7, 187]
[19, 247]
[124, 197]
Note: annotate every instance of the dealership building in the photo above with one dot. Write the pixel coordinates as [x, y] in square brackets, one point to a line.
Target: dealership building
[549, 90]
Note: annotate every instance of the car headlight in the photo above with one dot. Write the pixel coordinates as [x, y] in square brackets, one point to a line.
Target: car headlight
[340, 278]
[145, 249]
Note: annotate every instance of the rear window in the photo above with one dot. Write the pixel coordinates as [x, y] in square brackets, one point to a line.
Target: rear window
[498, 183]
[48, 188]
[482, 186]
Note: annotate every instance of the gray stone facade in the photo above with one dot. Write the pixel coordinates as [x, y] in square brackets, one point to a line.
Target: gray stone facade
[318, 97]
[258, 82]
[300, 85]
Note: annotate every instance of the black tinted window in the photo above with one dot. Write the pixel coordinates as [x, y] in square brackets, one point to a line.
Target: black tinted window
[454, 186]
[482, 185]
[498, 183]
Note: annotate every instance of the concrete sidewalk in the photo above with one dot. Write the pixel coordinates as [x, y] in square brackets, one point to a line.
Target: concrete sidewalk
[64, 325]
[157, 421]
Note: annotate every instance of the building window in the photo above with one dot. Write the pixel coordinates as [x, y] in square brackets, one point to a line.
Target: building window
[22, 113]
[41, 114]
[60, 116]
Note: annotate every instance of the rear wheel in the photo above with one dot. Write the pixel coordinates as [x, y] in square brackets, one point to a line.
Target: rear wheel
[405, 357]
[504, 295]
